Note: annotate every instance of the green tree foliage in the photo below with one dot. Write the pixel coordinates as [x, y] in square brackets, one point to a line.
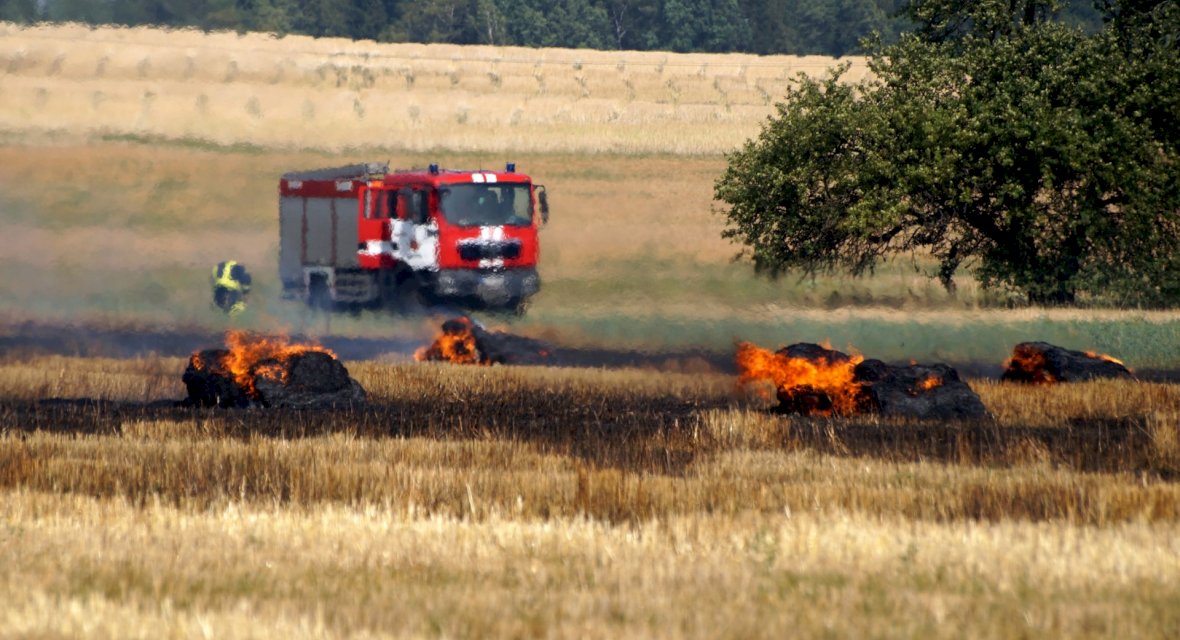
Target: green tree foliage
[704, 25]
[564, 23]
[18, 10]
[1042, 158]
[763, 26]
[833, 27]
[270, 16]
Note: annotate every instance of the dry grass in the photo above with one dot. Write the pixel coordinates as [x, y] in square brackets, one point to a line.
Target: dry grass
[96, 568]
[623, 445]
[299, 92]
[1065, 404]
[511, 501]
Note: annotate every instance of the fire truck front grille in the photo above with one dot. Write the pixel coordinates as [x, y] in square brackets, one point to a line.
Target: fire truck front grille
[484, 250]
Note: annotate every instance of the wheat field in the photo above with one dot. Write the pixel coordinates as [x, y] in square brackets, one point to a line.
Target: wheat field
[301, 92]
[562, 503]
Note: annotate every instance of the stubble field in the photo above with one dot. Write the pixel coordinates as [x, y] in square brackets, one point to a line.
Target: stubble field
[515, 501]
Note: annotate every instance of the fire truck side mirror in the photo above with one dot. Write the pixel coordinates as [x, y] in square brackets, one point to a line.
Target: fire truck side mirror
[543, 198]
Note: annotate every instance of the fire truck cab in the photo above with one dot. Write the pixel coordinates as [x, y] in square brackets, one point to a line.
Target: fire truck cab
[365, 235]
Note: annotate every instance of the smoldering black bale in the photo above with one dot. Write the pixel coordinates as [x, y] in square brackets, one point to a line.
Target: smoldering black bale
[210, 384]
[900, 390]
[498, 347]
[814, 353]
[1064, 365]
[314, 380]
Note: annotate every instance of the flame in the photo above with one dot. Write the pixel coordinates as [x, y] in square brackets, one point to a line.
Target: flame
[930, 383]
[1031, 363]
[800, 378]
[250, 355]
[456, 344]
[1103, 356]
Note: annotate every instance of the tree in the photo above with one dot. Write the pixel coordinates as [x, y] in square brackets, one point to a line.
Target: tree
[272, 16]
[77, 11]
[325, 18]
[18, 10]
[704, 25]
[1041, 158]
[435, 21]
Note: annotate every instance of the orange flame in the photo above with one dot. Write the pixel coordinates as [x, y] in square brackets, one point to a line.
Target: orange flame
[1103, 356]
[799, 378]
[1031, 363]
[252, 355]
[456, 344]
[930, 383]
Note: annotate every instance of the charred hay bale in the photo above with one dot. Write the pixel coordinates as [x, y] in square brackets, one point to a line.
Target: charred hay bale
[309, 380]
[814, 353]
[210, 384]
[498, 347]
[928, 392]
[464, 341]
[306, 380]
[1044, 363]
[806, 401]
[457, 326]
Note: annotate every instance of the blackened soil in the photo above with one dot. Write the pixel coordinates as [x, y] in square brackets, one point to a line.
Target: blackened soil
[648, 435]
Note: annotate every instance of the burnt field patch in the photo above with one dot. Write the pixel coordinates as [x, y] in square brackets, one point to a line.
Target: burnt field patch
[621, 445]
[644, 434]
[638, 434]
[625, 461]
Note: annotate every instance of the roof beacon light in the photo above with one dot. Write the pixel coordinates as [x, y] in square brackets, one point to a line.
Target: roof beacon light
[510, 167]
[433, 168]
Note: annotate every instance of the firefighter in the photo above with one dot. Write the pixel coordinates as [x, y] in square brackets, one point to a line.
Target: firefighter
[231, 285]
[487, 205]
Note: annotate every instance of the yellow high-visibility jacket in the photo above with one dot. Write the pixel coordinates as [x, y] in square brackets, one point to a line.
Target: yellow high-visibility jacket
[226, 276]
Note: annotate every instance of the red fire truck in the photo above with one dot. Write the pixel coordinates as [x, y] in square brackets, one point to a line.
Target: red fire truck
[364, 235]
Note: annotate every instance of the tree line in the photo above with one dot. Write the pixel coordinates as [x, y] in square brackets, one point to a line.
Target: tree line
[827, 27]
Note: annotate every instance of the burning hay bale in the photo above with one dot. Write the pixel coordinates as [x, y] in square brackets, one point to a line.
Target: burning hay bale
[1044, 363]
[809, 379]
[464, 341]
[269, 372]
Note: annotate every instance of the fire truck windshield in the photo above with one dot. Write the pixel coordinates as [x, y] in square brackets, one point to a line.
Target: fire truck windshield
[486, 205]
